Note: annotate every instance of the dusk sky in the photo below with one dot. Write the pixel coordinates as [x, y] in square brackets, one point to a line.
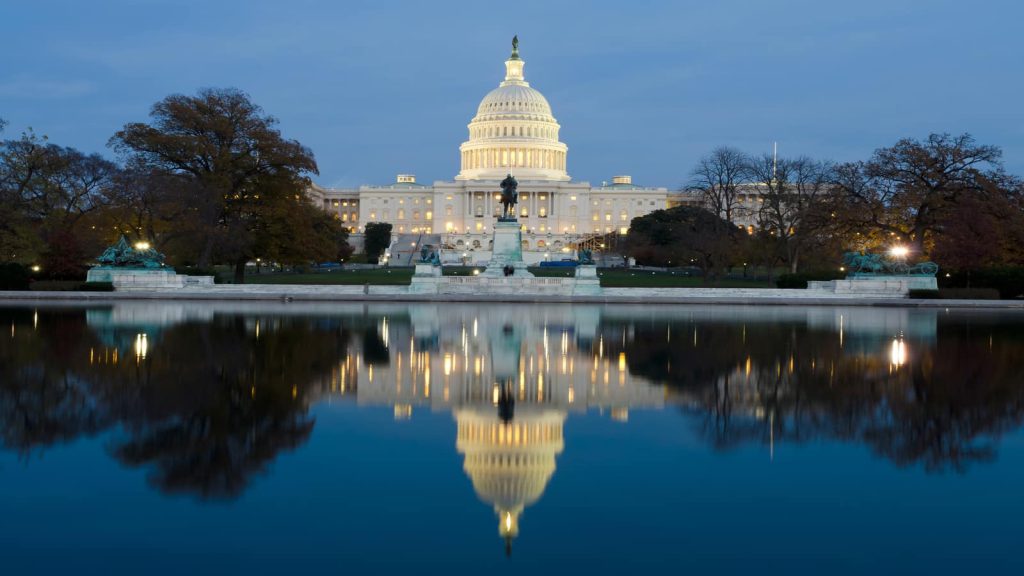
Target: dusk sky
[641, 87]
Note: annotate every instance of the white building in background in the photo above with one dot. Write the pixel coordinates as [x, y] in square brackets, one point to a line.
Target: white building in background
[513, 132]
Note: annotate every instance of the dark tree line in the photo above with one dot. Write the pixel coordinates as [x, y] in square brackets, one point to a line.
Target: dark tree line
[209, 180]
[946, 198]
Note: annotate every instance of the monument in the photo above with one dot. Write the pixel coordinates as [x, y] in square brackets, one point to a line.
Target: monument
[507, 252]
[138, 267]
[875, 274]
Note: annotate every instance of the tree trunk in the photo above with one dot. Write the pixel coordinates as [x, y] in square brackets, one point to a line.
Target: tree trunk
[240, 269]
[207, 254]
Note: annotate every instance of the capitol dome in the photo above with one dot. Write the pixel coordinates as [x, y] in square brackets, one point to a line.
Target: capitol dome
[513, 132]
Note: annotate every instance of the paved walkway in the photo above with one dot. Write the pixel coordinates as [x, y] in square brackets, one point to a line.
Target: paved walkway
[709, 296]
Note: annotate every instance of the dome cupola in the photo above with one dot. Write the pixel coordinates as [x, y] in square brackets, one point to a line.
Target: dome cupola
[513, 132]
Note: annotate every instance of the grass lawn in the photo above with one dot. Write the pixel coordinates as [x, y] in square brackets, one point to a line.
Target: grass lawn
[610, 277]
[623, 278]
[380, 276]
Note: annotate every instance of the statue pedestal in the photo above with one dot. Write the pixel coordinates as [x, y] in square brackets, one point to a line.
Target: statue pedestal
[426, 278]
[507, 251]
[587, 282]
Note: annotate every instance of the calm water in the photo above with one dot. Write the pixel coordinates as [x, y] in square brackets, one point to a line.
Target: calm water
[510, 439]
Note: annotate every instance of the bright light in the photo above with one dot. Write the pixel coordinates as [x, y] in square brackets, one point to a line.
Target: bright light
[898, 352]
[899, 251]
[476, 272]
[36, 268]
[142, 246]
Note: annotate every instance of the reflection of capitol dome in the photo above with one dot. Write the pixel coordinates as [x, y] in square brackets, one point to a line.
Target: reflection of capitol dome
[510, 463]
[513, 132]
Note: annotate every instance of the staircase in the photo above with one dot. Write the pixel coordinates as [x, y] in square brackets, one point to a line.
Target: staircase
[405, 250]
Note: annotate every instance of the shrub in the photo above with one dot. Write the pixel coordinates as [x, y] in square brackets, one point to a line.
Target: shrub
[55, 285]
[1008, 281]
[956, 294]
[96, 287]
[14, 276]
[800, 279]
[196, 271]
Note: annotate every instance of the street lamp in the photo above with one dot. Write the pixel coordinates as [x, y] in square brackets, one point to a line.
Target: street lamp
[899, 251]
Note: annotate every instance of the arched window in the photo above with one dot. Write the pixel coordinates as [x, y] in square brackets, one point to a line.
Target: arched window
[526, 244]
[541, 244]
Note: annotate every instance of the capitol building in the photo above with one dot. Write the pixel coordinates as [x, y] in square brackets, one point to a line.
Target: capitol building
[513, 132]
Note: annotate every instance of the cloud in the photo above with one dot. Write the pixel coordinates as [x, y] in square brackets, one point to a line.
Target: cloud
[36, 88]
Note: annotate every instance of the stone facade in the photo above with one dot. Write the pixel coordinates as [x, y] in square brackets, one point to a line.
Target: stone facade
[513, 132]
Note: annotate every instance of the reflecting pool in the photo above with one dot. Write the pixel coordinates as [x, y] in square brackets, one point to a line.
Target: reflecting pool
[253, 438]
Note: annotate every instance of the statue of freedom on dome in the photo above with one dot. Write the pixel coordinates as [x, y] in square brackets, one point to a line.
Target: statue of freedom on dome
[509, 198]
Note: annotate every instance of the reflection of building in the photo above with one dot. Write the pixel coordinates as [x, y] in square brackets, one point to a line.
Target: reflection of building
[513, 131]
[510, 463]
[509, 381]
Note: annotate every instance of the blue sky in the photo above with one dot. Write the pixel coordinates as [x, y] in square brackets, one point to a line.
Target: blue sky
[641, 87]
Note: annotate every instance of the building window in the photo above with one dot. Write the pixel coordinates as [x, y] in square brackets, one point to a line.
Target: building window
[429, 215]
[542, 212]
[373, 215]
[401, 214]
[448, 210]
[416, 215]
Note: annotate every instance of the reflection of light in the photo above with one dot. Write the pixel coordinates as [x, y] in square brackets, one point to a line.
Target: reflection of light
[495, 394]
[572, 395]
[447, 364]
[141, 346]
[898, 352]
[622, 361]
[403, 411]
[508, 520]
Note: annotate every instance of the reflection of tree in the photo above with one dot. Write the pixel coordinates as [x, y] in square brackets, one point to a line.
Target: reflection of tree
[245, 402]
[43, 400]
[788, 382]
[211, 405]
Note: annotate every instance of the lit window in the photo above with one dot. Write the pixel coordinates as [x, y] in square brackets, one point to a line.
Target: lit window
[430, 215]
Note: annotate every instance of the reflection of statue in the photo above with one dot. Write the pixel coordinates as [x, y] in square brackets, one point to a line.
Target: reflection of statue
[584, 256]
[509, 198]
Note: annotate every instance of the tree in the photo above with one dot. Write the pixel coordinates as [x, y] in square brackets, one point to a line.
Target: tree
[719, 177]
[684, 234]
[377, 238]
[226, 146]
[46, 192]
[908, 190]
[793, 210]
[986, 229]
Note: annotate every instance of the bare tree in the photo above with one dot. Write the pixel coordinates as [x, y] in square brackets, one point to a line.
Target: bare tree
[719, 177]
[793, 209]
